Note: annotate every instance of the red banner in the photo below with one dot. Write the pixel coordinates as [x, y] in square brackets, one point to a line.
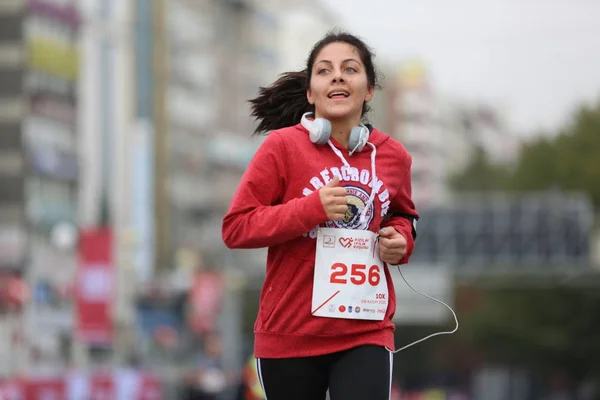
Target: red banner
[94, 287]
[44, 388]
[205, 301]
[115, 385]
[11, 389]
[150, 388]
[102, 387]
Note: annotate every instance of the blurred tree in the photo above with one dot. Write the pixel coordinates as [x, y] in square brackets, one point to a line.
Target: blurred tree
[480, 174]
[554, 328]
[544, 329]
[569, 160]
[537, 168]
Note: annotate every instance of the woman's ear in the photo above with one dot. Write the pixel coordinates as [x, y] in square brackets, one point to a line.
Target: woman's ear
[310, 98]
[370, 94]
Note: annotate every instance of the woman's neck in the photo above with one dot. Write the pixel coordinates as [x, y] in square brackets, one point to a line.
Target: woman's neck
[340, 130]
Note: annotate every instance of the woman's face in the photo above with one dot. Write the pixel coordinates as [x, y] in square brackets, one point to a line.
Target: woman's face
[339, 84]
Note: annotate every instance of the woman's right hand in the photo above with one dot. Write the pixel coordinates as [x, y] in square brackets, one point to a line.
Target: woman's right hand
[333, 198]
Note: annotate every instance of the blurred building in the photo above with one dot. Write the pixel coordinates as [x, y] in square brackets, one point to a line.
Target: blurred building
[229, 50]
[415, 125]
[441, 133]
[165, 127]
[486, 126]
[215, 65]
[303, 24]
[39, 178]
[277, 38]
[192, 112]
[219, 54]
[115, 153]
[382, 114]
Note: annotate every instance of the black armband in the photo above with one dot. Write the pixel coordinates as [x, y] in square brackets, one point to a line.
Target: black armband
[412, 218]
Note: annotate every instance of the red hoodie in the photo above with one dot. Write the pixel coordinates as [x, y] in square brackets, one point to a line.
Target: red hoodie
[277, 205]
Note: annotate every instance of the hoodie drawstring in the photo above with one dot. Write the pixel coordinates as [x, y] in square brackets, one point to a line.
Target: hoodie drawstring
[363, 213]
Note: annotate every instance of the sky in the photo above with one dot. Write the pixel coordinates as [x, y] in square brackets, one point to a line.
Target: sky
[536, 59]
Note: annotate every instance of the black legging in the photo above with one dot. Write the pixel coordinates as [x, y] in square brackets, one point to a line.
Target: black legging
[361, 373]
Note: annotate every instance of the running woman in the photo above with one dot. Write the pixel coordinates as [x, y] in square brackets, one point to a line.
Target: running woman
[330, 197]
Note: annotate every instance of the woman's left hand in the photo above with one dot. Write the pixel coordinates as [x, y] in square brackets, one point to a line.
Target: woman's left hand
[392, 246]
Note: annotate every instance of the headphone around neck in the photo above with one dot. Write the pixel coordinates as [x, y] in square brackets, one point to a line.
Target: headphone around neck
[319, 130]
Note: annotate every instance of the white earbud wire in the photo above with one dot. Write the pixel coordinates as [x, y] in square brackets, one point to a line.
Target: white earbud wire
[437, 301]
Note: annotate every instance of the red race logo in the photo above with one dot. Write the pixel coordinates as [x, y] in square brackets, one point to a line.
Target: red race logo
[346, 242]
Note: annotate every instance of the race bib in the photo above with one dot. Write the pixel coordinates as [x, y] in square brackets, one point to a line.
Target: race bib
[349, 279]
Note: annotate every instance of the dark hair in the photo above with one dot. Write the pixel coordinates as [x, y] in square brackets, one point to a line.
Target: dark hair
[283, 103]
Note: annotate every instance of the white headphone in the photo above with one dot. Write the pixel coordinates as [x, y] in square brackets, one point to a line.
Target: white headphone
[319, 130]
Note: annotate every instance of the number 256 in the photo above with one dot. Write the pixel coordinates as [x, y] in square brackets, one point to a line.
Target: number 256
[358, 274]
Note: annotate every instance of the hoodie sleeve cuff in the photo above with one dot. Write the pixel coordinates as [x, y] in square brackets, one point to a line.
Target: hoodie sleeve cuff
[310, 211]
[404, 227]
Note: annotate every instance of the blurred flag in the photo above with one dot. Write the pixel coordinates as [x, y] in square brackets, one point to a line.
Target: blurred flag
[205, 301]
[94, 287]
